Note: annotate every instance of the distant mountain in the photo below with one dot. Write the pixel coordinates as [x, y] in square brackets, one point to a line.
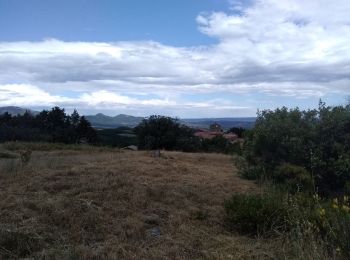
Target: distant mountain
[102, 121]
[226, 123]
[15, 110]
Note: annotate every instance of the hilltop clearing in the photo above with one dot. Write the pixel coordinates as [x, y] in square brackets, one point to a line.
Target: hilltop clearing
[112, 204]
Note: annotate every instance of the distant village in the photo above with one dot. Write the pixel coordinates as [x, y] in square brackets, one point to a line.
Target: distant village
[215, 130]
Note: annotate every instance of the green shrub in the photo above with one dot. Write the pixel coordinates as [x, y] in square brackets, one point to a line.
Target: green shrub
[251, 173]
[257, 214]
[334, 225]
[247, 171]
[304, 226]
[295, 178]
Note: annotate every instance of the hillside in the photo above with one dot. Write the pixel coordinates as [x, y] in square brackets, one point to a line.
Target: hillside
[104, 203]
[102, 121]
[15, 110]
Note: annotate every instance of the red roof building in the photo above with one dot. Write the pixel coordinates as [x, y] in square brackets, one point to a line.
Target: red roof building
[216, 130]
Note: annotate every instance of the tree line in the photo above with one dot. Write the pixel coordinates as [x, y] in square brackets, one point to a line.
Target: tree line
[48, 126]
[155, 132]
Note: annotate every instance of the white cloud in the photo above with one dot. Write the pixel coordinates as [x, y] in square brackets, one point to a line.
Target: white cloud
[108, 99]
[28, 95]
[291, 48]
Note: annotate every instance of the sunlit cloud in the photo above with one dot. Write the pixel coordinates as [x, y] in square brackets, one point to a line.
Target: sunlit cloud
[295, 49]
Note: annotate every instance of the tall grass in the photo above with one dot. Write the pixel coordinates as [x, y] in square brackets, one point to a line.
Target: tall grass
[305, 226]
[10, 167]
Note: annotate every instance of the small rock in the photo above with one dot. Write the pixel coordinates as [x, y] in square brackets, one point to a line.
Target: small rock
[154, 232]
[152, 219]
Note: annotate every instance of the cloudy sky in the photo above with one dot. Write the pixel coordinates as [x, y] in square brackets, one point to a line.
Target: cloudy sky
[186, 58]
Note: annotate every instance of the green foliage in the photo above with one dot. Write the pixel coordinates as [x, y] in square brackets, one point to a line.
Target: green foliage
[48, 126]
[118, 137]
[239, 131]
[294, 218]
[317, 140]
[246, 171]
[84, 130]
[299, 152]
[160, 132]
[294, 178]
[333, 223]
[251, 173]
[256, 214]
[219, 144]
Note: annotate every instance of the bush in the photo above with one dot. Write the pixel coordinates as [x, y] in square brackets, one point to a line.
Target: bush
[296, 219]
[294, 178]
[246, 171]
[334, 224]
[257, 214]
[251, 173]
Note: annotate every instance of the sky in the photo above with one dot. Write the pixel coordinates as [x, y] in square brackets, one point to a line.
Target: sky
[184, 58]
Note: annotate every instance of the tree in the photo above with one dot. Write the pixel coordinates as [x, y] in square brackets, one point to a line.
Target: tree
[75, 117]
[84, 130]
[160, 132]
[238, 131]
[56, 117]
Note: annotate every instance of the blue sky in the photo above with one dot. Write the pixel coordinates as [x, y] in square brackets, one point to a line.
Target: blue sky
[168, 22]
[186, 58]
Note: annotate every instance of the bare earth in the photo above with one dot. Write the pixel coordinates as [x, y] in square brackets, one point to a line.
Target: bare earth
[121, 205]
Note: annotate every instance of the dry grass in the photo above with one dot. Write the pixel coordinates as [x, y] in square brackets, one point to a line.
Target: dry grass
[122, 205]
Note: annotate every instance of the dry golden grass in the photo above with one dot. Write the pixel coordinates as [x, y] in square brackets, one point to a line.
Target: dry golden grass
[92, 204]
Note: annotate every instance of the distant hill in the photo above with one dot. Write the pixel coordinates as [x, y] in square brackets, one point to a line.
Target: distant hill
[15, 110]
[102, 121]
[226, 123]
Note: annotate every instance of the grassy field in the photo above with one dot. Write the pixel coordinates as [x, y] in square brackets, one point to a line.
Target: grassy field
[104, 203]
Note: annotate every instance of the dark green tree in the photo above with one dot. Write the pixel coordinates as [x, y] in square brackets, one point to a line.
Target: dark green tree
[85, 130]
[75, 118]
[160, 132]
[239, 131]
